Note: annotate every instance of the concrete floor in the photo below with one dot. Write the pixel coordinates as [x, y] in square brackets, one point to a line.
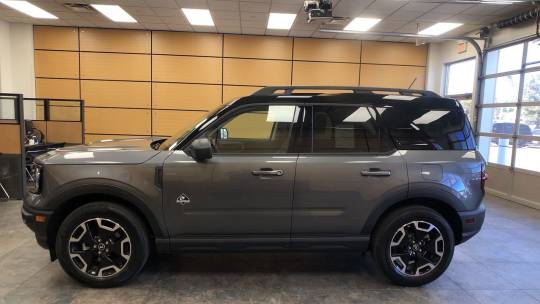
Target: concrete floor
[500, 265]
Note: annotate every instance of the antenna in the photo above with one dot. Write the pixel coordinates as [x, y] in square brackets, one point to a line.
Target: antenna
[414, 80]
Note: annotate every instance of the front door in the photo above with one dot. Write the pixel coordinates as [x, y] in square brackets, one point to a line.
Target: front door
[244, 192]
[350, 169]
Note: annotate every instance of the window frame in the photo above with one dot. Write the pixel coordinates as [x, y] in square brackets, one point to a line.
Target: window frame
[242, 109]
[518, 105]
[378, 123]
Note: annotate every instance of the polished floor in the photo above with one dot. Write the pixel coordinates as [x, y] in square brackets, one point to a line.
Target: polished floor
[500, 265]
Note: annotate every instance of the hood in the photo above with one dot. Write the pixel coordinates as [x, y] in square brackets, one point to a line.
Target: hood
[109, 151]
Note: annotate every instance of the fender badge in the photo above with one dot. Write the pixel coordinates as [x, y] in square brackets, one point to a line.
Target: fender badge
[183, 199]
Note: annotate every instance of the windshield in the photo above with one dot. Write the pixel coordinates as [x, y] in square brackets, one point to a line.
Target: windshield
[166, 145]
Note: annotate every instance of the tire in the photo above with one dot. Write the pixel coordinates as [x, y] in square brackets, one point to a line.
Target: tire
[393, 249]
[102, 244]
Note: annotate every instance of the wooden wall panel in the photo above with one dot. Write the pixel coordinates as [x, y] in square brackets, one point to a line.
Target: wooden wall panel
[327, 50]
[56, 38]
[323, 73]
[169, 122]
[133, 80]
[117, 121]
[256, 72]
[57, 88]
[394, 53]
[61, 131]
[124, 94]
[108, 66]
[185, 96]
[258, 47]
[11, 139]
[65, 113]
[231, 93]
[186, 69]
[183, 43]
[392, 76]
[56, 64]
[112, 40]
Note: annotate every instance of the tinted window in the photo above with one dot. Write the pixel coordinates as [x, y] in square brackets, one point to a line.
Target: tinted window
[347, 129]
[416, 128]
[258, 129]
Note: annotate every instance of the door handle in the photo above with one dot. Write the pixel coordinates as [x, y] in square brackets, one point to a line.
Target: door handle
[267, 172]
[375, 172]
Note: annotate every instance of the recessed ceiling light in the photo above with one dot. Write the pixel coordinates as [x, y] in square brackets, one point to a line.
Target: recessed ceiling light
[361, 24]
[279, 21]
[29, 9]
[114, 12]
[439, 28]
[198, 16]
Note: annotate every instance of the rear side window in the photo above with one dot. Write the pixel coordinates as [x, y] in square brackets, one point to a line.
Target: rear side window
[348, 129]
[416, 128]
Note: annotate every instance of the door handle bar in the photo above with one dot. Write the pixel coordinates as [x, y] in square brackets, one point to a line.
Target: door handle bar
[267, 172]
[372, 172]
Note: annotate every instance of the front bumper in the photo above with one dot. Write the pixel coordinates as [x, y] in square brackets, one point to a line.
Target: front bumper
[471, 222]
[37, 221]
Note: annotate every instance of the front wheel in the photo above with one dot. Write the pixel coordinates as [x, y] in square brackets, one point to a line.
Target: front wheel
[413, 245]
[102, 244]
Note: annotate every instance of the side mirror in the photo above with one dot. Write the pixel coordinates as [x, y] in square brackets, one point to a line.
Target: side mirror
[201, 149]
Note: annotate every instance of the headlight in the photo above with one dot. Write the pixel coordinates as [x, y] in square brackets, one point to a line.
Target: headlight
[33, 180]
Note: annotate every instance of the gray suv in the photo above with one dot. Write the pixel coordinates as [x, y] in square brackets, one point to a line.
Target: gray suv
[391, 171]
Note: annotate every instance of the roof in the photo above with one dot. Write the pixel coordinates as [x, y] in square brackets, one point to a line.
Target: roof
[358, 96]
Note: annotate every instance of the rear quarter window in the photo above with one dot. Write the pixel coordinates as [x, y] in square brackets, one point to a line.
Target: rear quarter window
[421, 128]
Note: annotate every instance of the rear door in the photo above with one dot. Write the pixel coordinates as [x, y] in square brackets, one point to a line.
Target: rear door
[347, 167]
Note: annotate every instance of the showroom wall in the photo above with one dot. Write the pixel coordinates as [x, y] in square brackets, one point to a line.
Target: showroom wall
[514, 184]
[156, 82]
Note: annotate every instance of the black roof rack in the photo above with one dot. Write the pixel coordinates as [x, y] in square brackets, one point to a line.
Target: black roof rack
[288, 90]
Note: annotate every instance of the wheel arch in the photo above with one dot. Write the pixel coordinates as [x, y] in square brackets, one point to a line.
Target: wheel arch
[444, 208]
[79, 195]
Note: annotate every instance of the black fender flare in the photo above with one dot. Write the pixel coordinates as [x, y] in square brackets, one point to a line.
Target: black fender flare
[122, 191]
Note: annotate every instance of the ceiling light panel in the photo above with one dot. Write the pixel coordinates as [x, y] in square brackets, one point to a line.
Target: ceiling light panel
[114, 12]
[439, 28]
[279, 21]
[361, 24]
[29, 9]
[197, 16]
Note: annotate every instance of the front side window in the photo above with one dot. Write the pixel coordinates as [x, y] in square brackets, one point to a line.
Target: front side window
[348, 129]
[257, 129]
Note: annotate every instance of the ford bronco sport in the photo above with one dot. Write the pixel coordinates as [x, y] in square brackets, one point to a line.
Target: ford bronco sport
[391, 171]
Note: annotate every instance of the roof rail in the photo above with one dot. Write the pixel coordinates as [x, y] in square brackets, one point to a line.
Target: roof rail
[288, 90]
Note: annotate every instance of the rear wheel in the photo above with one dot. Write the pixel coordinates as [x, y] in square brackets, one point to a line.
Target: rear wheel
[413, 245]
[102, 244]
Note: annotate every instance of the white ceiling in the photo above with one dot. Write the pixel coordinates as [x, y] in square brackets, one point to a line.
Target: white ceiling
[251, 16]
